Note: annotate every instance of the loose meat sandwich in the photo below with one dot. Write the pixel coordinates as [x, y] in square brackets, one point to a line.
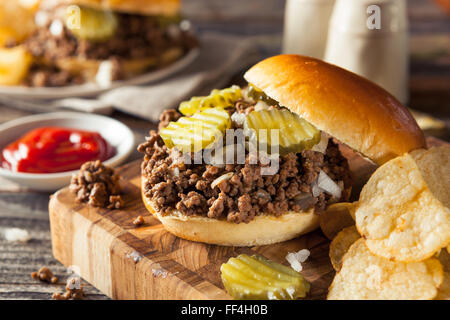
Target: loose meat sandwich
[294, 111]
[103, 40]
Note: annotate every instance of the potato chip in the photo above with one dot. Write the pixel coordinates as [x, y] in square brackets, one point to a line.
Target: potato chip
[16, 21]
[364, 276]
[340, 245]
[403, 209]
[337, 217]
[14, 65]
[444, 289]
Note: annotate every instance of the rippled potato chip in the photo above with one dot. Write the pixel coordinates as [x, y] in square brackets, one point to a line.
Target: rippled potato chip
[16, 20]
[337, 217]
[364, 276]
[444, 289]
[403, 210]
[14, 65]
[340, 245]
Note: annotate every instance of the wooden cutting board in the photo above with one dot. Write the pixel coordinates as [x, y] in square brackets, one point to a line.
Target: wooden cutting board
[147, 262]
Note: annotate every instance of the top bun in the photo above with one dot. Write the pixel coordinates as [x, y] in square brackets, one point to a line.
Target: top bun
[144, 7]
[352, 109]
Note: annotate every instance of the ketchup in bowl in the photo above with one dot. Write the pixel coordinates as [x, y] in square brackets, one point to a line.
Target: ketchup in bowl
[55, 149]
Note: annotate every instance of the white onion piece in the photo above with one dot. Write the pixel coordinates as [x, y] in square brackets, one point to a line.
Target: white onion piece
[316, 191]
[261, 105]
[296, 259]
[238, 118]
[322, 145]
[325, 183]
[15, 234]
[224, 177]
[104, 76]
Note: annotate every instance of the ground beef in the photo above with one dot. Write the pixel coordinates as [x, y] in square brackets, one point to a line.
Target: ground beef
[44, 76]
[245, 107]
[137, 37]
[167, 116]
[172, 184]
[97, 185]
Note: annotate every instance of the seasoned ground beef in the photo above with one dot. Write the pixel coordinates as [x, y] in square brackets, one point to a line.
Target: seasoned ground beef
[137, 37]
[167, 116]
[172, 184]
[43, 76]
[97, 185]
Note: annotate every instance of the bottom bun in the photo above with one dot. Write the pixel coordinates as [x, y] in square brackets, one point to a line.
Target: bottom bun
[89, 68]
[262, 230]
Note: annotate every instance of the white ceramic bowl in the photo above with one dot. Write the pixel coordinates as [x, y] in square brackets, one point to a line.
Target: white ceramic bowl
[115, 132]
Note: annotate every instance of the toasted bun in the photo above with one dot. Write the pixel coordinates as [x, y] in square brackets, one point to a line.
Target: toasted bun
[144, 7]
[262, 230]
[352, 109]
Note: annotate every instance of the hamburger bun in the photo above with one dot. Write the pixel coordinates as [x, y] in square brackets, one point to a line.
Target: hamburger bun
[262, 230]
[350, 108]
[89, 68]
[143, 7]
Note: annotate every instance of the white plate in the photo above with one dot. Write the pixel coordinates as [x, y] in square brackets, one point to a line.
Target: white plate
[115, 132]
[92, 89]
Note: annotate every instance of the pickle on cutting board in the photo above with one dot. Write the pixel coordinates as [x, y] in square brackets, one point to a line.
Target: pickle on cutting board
[191, 134]
[294, 133]
[217, 98]
[256, 278]
[95, 25]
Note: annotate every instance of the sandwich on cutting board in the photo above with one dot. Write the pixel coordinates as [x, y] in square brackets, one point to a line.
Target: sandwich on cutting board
[313, 105]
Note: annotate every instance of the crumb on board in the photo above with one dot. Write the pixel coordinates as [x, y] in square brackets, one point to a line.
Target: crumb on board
[74, 290]
[139, 221]
[135, 256]
[15, 235]
[44, 274]
[158, 271]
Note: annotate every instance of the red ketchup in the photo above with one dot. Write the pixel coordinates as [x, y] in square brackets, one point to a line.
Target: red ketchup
[55, 149]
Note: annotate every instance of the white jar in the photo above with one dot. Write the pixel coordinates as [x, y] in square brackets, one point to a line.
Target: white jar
[377, 52]
[306, 27]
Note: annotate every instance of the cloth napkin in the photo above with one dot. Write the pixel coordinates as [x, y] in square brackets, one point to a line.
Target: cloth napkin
[221, 56]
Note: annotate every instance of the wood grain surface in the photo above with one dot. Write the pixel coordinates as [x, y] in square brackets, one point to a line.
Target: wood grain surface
[263, 20]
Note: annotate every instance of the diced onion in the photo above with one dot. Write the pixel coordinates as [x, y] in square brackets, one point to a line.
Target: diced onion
[316, 191]
[296, 259]
[322, 145]
[261, 105]
[325, 183]
[238, 118]
[223, 177]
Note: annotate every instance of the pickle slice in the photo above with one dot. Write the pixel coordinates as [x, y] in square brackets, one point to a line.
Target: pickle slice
[257, 278]
[217, 98]
[258, 95]
[294, 133]
[192, 134]
[95, 25]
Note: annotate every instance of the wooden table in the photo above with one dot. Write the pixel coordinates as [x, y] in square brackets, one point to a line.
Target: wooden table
[430, 84]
